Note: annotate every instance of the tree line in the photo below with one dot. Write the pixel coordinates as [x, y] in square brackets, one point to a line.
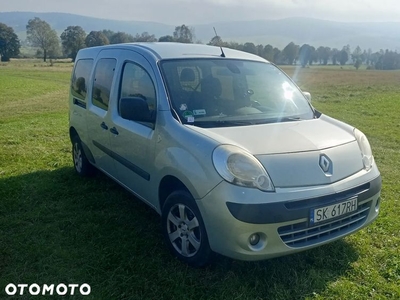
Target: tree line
[73, 38]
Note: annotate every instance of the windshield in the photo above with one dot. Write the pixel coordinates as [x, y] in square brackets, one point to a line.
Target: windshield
[227, 92]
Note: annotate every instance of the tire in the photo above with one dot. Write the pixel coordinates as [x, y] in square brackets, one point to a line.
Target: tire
[82, 165]
[184, 231]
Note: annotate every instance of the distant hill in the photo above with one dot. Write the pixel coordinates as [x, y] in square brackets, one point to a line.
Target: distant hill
[60, 21]
[311, 31]
[275, 32]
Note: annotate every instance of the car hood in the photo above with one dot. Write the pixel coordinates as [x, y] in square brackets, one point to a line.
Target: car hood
[293, 153]
[286, 137]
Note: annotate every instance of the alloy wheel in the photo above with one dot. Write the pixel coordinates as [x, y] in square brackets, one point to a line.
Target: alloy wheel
[183, 230]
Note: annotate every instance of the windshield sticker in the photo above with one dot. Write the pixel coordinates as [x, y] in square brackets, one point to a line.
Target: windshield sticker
[199, 112]
[183, 107]
[187, 113]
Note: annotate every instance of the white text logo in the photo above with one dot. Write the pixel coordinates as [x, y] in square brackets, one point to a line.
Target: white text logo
[60, 289]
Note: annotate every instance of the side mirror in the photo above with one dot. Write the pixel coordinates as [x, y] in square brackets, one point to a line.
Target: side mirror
[308, 96]
[135, 109]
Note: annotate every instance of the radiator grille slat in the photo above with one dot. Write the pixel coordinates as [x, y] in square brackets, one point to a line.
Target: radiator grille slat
[302, 235]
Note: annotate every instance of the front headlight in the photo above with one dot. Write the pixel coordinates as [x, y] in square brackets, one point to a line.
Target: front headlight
[241, 168]
[365, 148]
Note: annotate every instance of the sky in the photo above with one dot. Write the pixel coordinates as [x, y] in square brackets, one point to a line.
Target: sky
[193, 12]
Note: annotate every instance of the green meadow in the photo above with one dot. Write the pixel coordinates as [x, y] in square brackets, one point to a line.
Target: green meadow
[56, 227]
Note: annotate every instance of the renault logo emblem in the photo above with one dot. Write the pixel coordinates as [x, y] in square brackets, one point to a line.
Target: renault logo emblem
[326, 164]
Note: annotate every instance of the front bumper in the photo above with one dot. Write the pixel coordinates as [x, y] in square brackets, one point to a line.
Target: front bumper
[232, 214]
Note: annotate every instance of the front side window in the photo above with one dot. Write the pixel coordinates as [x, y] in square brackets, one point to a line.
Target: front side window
[226, 92]
[137, 83]
[103, 78]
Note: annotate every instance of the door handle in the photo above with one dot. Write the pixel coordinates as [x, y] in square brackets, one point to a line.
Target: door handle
[114, 131]
[104, 126]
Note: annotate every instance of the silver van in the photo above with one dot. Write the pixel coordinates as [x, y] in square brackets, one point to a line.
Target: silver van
[224, 146]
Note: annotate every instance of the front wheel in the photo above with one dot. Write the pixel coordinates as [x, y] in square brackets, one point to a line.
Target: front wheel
[184, 230]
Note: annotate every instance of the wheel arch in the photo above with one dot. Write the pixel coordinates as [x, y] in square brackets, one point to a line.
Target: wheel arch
[74, 133]
[168, 185]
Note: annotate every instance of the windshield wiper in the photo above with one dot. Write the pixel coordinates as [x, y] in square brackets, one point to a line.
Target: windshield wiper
[288, 119]
[223, 123]
[276, 120]
[228, 123]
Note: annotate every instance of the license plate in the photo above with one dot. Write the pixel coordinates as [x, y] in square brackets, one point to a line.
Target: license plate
[333, 211]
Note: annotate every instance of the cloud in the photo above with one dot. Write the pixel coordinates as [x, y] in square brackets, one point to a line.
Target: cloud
[205, 11]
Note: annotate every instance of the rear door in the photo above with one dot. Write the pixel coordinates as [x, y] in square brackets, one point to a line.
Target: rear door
[79, 96]
[98, 117]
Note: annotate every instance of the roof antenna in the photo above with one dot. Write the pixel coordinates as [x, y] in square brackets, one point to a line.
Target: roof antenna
[222, 54]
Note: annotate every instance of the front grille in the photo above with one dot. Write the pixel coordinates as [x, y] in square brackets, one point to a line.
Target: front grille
[302, 235]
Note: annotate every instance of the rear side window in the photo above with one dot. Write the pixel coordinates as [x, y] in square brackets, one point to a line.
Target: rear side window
[103, 78]
[136, 82]
[80, 78]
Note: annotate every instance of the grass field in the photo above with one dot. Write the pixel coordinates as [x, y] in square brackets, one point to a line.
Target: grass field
[58, 228]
